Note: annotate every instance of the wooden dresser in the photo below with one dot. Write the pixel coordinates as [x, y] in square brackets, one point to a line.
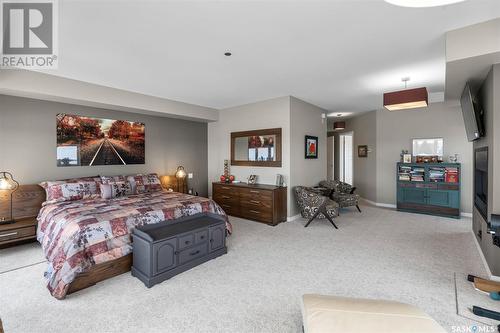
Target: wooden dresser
[262, 203]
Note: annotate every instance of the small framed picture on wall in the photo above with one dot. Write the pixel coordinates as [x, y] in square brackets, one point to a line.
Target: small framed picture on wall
[362, 151]
[311, 146]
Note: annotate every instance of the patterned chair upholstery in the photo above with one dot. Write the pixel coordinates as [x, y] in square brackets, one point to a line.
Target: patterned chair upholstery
[314, 205]
[342, 193]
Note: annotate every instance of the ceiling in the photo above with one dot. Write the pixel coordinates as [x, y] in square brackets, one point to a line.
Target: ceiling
[339, 55]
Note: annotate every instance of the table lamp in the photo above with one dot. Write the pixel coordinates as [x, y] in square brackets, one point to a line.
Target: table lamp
[180, 174]
[7, 183]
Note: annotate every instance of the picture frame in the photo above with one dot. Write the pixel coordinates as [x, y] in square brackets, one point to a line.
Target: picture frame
[407, 158]
[362, 151]
[311, 147]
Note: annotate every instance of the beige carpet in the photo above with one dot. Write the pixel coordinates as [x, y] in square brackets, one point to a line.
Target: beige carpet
[257, 286]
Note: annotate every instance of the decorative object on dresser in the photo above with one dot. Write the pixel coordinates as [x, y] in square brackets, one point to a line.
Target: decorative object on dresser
[256, 148]
[261, 203]
[166, 249]
[252, 179]
[311, 146]
[227, 177]
[26, 203]
[431, 188]
[280, 180]
[362, 151]
[8, 183]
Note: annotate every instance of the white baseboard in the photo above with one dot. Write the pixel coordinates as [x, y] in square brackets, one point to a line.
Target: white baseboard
[379, 204]
[292, 218]
[466, 214]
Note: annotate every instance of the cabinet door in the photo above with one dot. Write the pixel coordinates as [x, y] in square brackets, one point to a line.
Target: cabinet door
[412, 195]
[164, 255]
[217, 237]
[443, 198]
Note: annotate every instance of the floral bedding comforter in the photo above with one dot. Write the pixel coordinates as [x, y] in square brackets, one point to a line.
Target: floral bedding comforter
[76, 235]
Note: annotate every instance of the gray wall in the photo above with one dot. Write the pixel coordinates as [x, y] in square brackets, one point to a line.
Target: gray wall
[364, 168]
[28, 143]
[395, 131]
[489, 96]
[305, 119]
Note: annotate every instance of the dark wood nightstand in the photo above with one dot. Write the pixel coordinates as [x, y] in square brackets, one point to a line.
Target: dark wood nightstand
[23, 230]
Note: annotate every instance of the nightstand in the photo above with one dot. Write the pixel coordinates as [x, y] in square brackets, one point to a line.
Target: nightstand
[21, 231]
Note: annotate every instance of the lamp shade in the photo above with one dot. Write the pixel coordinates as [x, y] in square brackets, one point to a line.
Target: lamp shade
[406, 99]
[180, 173]
[7, 182]
[339, 125]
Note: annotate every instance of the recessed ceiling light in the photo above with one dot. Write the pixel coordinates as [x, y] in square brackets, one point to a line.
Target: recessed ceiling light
[228, 54]
[422, 3]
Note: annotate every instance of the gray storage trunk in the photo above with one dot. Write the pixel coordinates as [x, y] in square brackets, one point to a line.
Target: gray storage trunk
[168, 248]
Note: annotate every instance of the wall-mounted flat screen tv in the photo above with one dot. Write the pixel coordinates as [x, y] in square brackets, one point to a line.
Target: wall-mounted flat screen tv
[472, 114]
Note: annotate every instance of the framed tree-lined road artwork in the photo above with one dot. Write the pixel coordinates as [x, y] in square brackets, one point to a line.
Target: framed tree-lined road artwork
[86, 141]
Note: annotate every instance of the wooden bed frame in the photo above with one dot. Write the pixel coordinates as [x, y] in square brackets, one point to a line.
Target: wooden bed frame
[27, 202]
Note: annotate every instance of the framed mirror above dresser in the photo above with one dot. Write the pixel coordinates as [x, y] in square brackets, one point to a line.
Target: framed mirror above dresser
[256, 148]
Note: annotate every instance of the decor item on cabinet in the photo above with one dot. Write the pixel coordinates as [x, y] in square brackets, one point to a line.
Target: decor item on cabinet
[406, 99]
[433, 188]
[261, 203]
[407, 158]
[427, 159]
[339, 125]
[85, 141]
[362, 151]
[252, 179]
[453, 158]
[280, 180]
[256, 148]
[8, 183]
[226, 169]
[311, 146]
[403, 152]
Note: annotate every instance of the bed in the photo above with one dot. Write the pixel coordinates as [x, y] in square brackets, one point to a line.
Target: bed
[87, 241]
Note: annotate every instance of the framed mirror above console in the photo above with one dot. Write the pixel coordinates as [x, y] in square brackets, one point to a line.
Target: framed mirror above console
[256, 148]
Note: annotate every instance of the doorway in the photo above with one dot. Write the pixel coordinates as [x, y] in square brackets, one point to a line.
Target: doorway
[330, 158]
[345, 157]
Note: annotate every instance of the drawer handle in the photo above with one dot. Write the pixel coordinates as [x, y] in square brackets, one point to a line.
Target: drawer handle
[226, 206]
[9, 234]
[225, 188]
[255, 202]
[176, 252]
[186, 242]
[194, 253]
[224, 197]
[202, 237]
[253, 191]
[254, 211]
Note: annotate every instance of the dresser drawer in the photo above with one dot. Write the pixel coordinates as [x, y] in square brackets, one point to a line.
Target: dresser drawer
[193, 253]
[257, 203]
[253, 193]
[258, 214]
[17, 233]
[224, 198]
[230, 209]
[225, 190]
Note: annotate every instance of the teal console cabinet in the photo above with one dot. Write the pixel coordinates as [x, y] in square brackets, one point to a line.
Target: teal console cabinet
[429, 188]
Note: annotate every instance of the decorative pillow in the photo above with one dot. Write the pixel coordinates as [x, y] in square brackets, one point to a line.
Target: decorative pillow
[115, 190]
[113, 179]
[145, 183]
[71, 190]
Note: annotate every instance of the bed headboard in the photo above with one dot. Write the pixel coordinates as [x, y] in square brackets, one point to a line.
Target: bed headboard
[26, 201]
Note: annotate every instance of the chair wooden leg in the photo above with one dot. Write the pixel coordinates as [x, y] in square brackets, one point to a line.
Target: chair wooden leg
[312, 218]
[331, 221]
[359, 210]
